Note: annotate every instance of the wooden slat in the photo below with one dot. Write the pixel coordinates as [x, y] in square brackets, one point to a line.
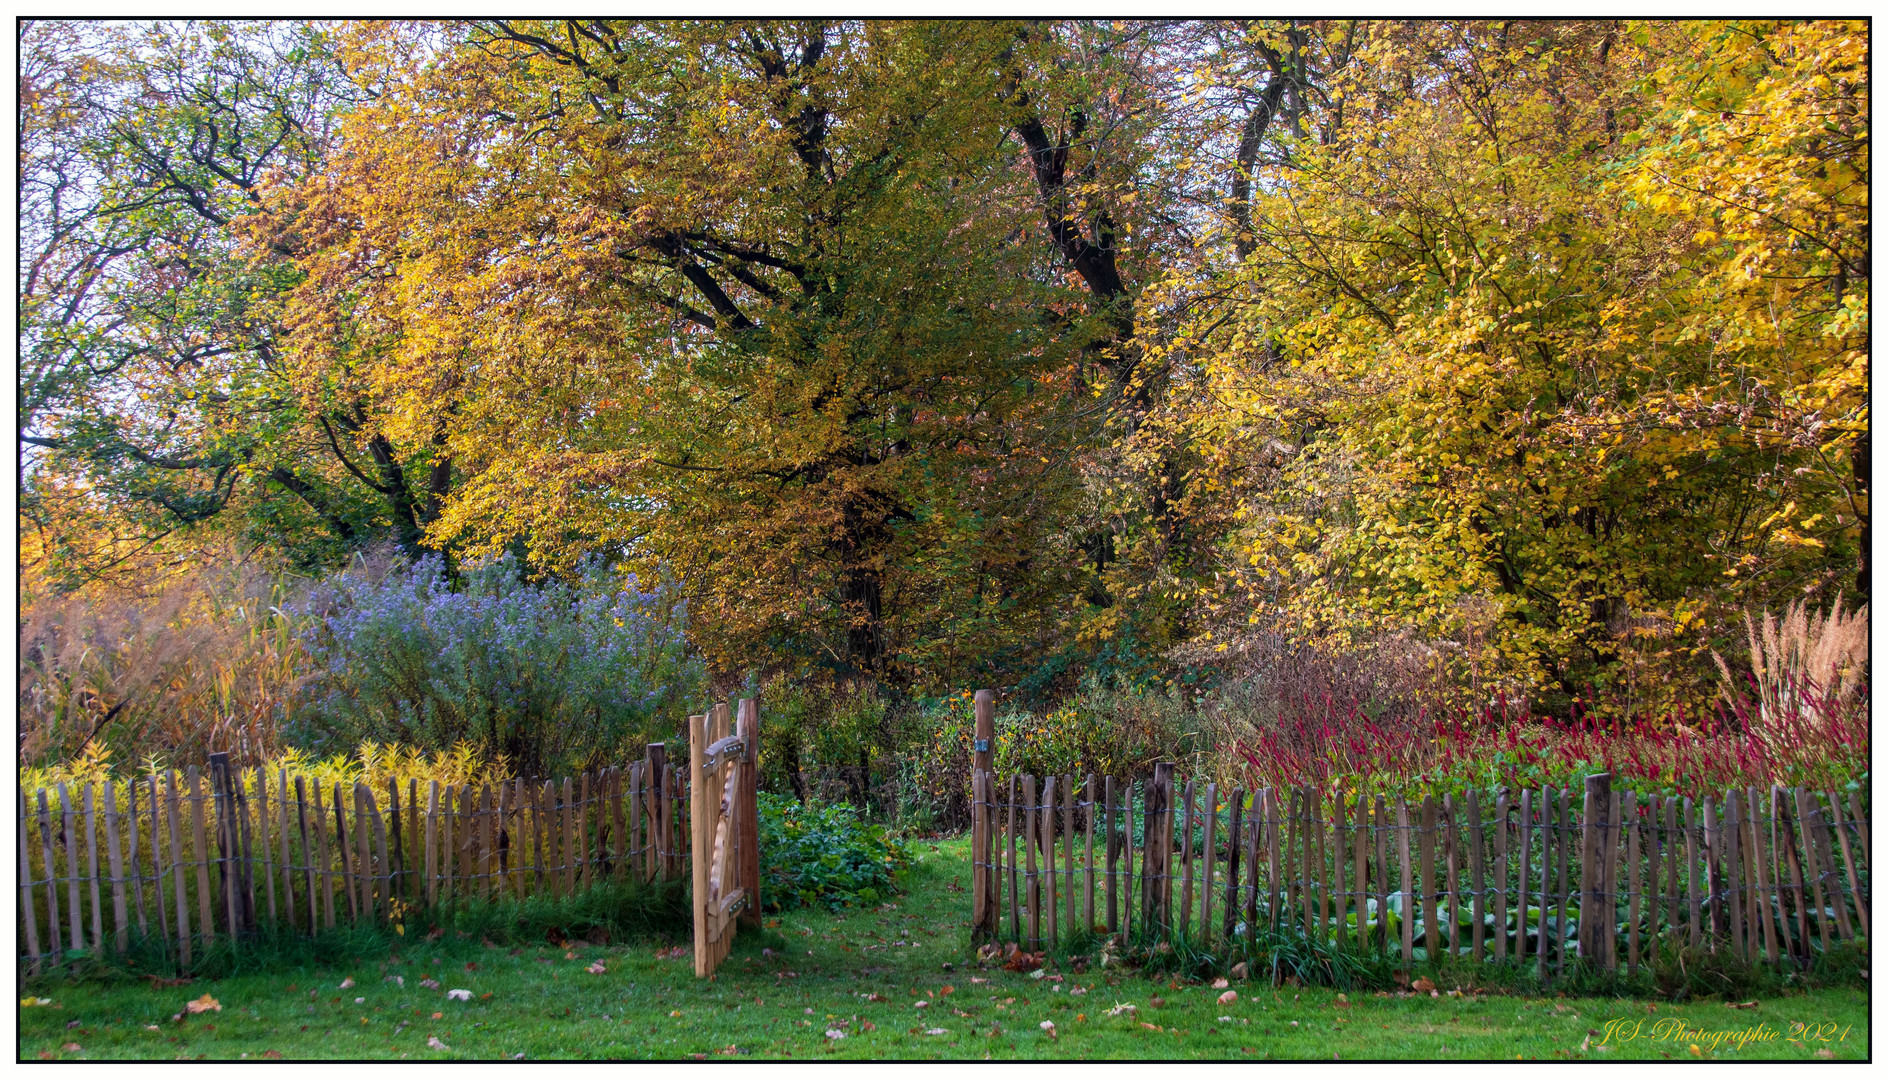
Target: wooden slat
[121, 929]
[1812, 866]
[1254, 843]
[1757, 906]
[1848, 865]
[174, 815]
[132, 862]
[264, 817]
[1298, 858]
[246, 851]
[1862, 850]
[1588, 870]
[1032, 895]
[1127, 861]
[324, 860]
[1616, 840]
[1629, 822]
[1478, 880]
[1111, 852]
[286, 825]
[1741, 942]
[1235, 838]
[1274, 914]
[1339, 897]
[91, 867]
[383, 881]
[1186, 862]
[205, 921]
[26, 891]
[1526, 845]
[1010, 838]
[1564, 850]
[363, 855]
[1711, 845]
[1088, 855]
[396, 853]
[584, 862]
[1451, 843]
[69, 832]
[1499, 877]
[1068, 855]
[488, 844]
[51, 863]
[1426, 883]
[1210, 815]
[308, 857]
[344, 855]
[1786, 839]
[1380, 826]
[1826, 858]
[1403, 841]
[412, 858]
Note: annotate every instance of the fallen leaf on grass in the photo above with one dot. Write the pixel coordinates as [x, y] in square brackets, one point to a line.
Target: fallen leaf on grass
[1229, 997]
[72, 1046]
[937, 1031]
[430, 984]
[596, 968]
[1150, 1027]
[1220, 984]
[459, 995]
[867, 1025]
[347, 983]
[433, 1043]
[272, 1055]
[1122, 1008]
[206, 1003]
[1740, 1004]
[1423, 985]
[1825, 1052]
[835, 1034]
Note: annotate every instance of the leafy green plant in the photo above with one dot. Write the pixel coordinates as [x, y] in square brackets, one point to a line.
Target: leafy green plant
[816, 853]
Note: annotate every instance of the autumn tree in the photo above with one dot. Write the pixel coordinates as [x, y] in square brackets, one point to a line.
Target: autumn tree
[1494, 373]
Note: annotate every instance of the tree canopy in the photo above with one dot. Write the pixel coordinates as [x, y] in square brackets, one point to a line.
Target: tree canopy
[938, 352]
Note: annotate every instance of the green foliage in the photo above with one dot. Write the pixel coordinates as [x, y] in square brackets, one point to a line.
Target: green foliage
[820, 854]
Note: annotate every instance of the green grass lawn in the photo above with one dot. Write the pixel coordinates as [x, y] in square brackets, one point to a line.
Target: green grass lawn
[898, 982]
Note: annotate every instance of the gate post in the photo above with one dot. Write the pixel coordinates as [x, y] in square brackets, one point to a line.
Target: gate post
[702, 848]
[749, 814]
[982, 786]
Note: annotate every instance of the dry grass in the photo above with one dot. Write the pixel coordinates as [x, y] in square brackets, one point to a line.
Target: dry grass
[191, 662]
[1802, 650]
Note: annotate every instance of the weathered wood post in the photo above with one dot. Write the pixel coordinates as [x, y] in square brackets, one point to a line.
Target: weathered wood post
[982, 790]
[748, 814]
[1596, 894]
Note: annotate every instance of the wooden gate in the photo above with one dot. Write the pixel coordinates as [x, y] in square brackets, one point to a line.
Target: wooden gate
[724, 828]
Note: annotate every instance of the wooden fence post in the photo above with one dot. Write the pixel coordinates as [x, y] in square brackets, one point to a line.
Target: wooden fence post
[748, 816]
[1596, 853]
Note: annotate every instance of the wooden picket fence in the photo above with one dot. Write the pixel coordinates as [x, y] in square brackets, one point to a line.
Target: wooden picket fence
[1770, 874]
[222, 855]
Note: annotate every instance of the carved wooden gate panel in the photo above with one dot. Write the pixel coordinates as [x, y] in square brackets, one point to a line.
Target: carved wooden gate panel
[722, 825]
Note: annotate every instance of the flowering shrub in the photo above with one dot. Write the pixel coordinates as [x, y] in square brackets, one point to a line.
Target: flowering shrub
[553, 676]
[1815, 739]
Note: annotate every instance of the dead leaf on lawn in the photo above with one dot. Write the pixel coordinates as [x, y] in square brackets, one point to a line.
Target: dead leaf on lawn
[206, 1003]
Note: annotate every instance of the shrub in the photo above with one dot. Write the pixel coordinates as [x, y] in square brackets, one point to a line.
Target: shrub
[555, 676]
[817, 853]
